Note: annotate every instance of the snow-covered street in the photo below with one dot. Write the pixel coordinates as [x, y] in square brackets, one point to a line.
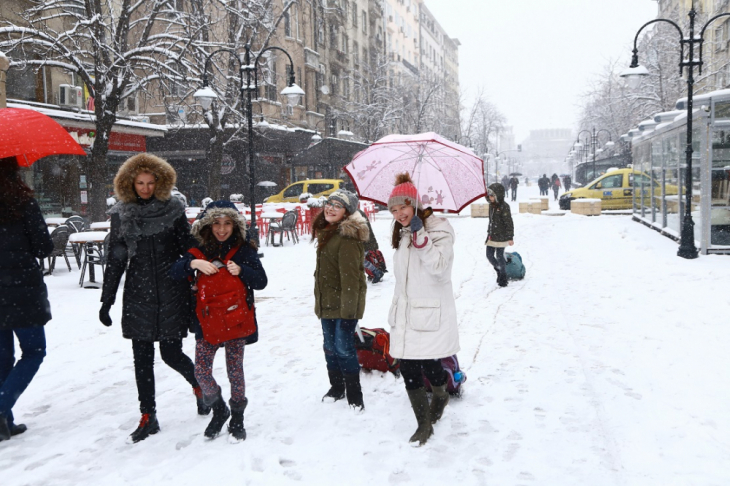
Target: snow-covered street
[607, 365]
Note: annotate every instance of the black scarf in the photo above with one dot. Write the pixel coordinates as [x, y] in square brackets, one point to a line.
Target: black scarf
[145, 218]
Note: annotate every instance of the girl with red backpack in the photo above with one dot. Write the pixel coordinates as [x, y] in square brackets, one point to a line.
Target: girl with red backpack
[225, 251]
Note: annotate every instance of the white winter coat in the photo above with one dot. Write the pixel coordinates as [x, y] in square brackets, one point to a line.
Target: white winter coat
[422, 316]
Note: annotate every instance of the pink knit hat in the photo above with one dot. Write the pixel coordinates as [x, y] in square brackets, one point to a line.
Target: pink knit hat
[404, 192]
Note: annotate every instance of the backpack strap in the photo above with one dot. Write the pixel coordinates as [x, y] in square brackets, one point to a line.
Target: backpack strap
[230, 254]
[197, 254]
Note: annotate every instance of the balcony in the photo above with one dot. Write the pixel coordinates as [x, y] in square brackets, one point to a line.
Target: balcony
[410, 66]
[341, 57]
[311, 59]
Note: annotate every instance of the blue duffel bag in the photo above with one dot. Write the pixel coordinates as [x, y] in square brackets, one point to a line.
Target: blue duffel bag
[515, 267]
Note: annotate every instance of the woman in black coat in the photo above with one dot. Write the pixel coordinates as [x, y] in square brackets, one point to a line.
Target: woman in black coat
[501, 231]
[149, 233]
[24, 306]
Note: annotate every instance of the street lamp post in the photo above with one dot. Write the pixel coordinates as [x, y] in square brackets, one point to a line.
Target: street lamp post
[206, 95]
[633, 75]
[593, 134]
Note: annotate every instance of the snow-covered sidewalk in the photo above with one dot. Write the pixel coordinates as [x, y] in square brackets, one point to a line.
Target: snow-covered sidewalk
[607, 365]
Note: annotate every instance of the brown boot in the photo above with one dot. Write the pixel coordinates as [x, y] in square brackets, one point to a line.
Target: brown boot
[422, 411]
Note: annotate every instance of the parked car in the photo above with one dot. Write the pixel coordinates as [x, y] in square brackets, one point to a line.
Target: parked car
[316, 187]
[615, 189]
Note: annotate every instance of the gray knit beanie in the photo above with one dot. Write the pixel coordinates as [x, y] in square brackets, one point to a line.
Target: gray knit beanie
[347, 199]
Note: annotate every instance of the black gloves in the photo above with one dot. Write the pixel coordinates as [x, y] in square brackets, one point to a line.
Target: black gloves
[104, 314]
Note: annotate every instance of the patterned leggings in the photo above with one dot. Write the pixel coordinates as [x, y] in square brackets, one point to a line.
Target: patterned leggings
[204, 356]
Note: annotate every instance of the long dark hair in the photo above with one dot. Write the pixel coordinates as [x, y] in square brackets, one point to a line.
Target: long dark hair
[395, 239]
[14, 193]
[318, 226]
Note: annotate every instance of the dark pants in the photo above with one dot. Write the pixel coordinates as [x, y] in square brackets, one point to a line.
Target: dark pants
[496, 258]
[339, 345]
[412, 371]
[144, 368]
[15, 377]
[556, 190]
[514, 193]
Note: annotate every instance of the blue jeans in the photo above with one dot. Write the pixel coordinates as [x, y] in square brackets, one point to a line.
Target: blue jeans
[15, 379]
[339, 345]
[496, 258]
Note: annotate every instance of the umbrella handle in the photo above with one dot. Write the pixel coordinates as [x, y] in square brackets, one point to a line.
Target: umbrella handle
[425, 240]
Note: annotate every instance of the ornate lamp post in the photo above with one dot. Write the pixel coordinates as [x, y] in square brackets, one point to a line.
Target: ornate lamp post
[593, 142]
[248, 67]
[633, 75]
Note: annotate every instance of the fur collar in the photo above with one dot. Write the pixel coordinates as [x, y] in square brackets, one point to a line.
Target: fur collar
[209, 218]
[355, 227]
[144, 162]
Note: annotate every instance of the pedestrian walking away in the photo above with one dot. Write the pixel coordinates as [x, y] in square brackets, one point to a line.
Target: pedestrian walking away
[24, 306]
[340, 288]
[513, 183]
[221, 231]
[149, 233]
[556, 187]
[500, 232]
[567, 181]
[422, 316]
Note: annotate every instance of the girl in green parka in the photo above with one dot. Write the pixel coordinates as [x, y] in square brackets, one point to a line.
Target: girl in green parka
[501, 231]
[339, 291]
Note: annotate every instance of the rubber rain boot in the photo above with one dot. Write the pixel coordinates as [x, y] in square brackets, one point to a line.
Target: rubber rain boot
[422, 411]
[439, 400]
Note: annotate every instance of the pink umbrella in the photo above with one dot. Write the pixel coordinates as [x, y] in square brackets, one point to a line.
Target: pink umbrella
[448, 176]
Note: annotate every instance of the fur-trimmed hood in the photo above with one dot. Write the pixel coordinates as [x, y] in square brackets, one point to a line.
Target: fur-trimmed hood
[211, 215]
[355, 227]
[124, 180]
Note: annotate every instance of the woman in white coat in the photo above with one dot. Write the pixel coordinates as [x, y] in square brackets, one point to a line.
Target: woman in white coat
[422, 317]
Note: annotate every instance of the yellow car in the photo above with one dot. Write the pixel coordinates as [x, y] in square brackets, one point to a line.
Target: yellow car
[614, 189]
[315, 187]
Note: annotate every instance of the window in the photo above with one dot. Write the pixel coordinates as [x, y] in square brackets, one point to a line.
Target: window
[318, 188]
[270, 91]
[354, 16]
[610, 182]
[364, 22]
[287, 24]
[294, 191]
[355, 53]
[344, 44]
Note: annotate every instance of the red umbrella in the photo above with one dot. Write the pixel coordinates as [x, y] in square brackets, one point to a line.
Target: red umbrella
[30, 135]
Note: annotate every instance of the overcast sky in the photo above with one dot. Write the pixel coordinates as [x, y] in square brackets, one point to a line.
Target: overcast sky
[535, 58]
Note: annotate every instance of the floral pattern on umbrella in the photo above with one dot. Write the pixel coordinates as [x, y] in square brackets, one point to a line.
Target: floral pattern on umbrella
[447, 175]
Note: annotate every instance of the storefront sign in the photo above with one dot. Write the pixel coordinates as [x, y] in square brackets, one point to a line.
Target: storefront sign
[124, 142]
[84, 198]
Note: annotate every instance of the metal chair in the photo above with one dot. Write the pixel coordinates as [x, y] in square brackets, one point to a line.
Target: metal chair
[75, 224]
[95, 255]
[60, 240]
[287, 225]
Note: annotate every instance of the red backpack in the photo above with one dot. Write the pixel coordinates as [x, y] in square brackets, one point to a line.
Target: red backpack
[221, 303]
[374, 352]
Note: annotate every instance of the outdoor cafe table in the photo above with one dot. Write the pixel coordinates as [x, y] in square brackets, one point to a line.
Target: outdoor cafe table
[89, 237]
[55, 221]
[271, 216]
[101, 225]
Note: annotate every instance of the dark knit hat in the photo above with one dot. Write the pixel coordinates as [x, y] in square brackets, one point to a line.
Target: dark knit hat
[404, 192]
[347, 199]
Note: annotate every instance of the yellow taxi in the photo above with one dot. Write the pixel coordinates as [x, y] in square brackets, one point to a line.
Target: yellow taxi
[615, 189]
[315, 187]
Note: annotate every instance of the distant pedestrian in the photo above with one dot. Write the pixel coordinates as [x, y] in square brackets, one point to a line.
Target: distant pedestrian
[543, 183]
[149, 232]
[24, 306]
[500, 232]
[556, 187]
[339, 291]
[513, 183]
[422, 318]
[567, 181]
[505, 183]
[220, 232]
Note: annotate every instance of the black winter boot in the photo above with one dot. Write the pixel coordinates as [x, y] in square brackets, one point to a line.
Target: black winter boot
[203, 409]
[354, 391]
[235, 426]
[4, 429]
[502, 279]
[148, 425]
[422, 411]
[17, 429]
[220, 416]
[337, 389]
[439, 400]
